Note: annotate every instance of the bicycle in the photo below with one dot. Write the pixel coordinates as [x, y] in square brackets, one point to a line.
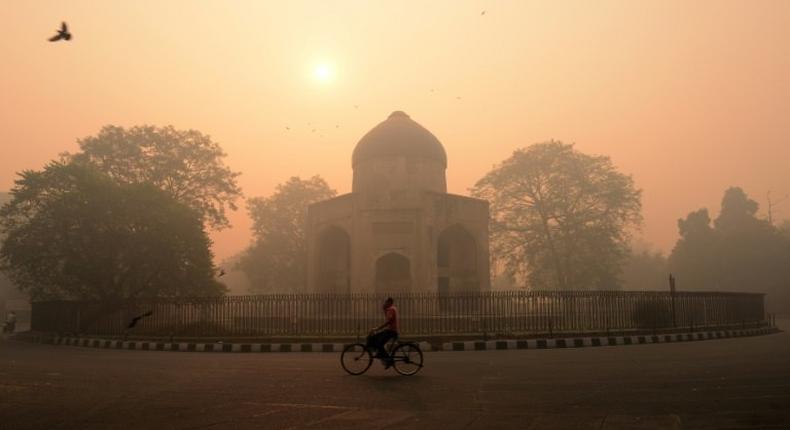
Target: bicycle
[405, 357]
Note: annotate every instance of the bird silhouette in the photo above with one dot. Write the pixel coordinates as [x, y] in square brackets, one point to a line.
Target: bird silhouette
[483, 13]
[134, 320]
[63, 33]
[287, 128]
[221, 273]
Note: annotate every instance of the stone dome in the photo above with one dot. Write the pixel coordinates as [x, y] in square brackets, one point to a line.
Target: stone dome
[399, 136]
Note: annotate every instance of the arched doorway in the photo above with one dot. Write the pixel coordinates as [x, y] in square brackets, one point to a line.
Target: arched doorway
[334, 261]
[456, 260]
[393, 274]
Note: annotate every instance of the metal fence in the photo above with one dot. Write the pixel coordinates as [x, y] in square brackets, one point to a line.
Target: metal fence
[494, 313]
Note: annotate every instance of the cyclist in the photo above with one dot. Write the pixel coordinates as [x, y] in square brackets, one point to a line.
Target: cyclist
[379, 336]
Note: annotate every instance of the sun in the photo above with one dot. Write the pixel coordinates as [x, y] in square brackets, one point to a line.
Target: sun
[323, 73]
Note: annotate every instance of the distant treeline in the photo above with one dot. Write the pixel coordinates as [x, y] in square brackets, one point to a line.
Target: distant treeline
[738, 251]
[126, 216]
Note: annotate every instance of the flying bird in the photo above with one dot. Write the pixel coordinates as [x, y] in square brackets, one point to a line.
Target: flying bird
[134, 320]
[63, 33]
[287, 128]
[482, 13]
[221, 273]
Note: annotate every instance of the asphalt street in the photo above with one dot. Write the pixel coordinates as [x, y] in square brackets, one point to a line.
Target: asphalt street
[715, 384]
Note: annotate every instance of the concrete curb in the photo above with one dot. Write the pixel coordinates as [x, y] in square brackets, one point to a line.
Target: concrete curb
[91, 342]
[480, 345]
[582, 342]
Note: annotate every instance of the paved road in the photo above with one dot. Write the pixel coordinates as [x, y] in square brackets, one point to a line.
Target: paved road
[729, 383]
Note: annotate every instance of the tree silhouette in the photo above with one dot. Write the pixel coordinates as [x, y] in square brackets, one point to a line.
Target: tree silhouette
[560, 217]
[277, 261]
[72, 232]
[185, 163]
[736, 252]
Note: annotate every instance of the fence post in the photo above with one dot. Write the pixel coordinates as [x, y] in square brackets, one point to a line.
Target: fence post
[672, 299]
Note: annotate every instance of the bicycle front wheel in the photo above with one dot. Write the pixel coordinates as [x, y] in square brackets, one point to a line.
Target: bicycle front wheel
[356, 359]
[407, 359]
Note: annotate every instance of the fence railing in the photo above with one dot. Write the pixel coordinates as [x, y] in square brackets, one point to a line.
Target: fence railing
[505, 312]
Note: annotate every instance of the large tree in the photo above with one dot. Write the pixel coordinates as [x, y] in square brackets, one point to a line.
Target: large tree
[277, 260]
[185, 163]
[7, 288]
[738, 251]
[692, 258]
[560, 217]
[72, 232]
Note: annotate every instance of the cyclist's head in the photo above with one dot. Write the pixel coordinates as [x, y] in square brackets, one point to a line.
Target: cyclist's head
[388, 302]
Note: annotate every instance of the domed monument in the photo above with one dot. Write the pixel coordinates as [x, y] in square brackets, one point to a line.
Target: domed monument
[398, 230]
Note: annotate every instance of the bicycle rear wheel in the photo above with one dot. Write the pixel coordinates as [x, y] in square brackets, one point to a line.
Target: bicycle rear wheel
[356, 359]
[407, 359]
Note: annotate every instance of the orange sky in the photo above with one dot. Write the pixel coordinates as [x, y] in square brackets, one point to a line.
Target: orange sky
[689, 97]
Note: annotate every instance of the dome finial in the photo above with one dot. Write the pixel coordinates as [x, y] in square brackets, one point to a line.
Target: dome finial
[398, 114]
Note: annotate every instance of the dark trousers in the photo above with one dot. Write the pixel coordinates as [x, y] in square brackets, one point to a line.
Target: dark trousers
[378, 340]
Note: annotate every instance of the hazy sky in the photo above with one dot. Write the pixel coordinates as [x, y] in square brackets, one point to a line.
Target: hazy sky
[689, 97]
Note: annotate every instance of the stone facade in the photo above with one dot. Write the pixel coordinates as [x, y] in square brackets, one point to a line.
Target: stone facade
[398, 230]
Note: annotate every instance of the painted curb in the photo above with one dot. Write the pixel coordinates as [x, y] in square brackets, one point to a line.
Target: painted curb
[480, 345]
[583, 342]
[90, 342]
